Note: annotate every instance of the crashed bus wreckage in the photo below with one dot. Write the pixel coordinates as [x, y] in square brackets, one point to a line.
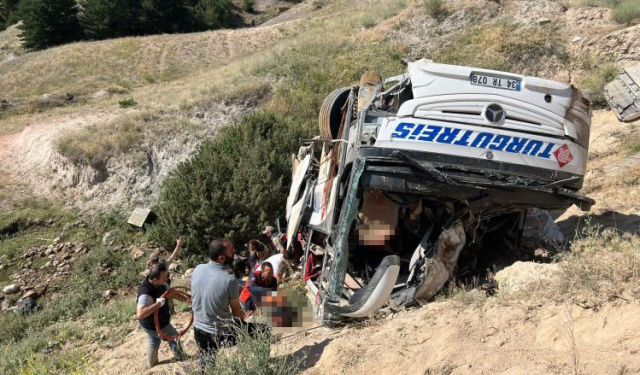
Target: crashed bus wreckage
[412, 171]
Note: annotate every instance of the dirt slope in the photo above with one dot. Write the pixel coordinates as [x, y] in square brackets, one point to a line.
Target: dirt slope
[442, 338]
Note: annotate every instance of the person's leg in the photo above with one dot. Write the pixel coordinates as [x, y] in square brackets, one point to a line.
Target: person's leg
[207, 347]
[153, 344]
[174, 345]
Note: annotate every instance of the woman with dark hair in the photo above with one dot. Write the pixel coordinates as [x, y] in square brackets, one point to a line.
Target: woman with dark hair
[240, 270]
[257, 253]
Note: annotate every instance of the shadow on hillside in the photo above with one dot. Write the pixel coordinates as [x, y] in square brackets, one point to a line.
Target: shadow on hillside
[574, 226]
[309, 355]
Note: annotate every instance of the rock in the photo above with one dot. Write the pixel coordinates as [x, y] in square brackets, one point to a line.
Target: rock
[576, 39]
[109, 293]
[543, 21]
[106, 238]
[30, 294]
[526, 276]
[56, 240]
[6, 305]
[2, 267]
[101, 94]
[10, 289]
[189, 272]
[138, 254]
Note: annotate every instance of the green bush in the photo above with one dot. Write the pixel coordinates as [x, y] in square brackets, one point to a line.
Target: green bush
[165, 16]
[627, 12]
[8, 14]
[104, 19]
[232, 187]
[213, 14]
[253, 356]
[624, 11]
[126, 103]
[47, 23]
[249, 5]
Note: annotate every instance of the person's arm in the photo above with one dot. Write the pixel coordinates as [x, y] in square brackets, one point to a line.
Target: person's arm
[236, 310]
[234, 299]
[144, 310]
[278, 245]
[174, 255]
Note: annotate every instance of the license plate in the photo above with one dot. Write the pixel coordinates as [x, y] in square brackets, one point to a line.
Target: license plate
[497, 82]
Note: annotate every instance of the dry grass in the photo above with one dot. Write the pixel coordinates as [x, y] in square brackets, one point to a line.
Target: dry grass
[128, 62]
[10, 45]
[96, 145]
[595, 73]
[291, 78]
[506, 46]
[602, 265]
[463, 295]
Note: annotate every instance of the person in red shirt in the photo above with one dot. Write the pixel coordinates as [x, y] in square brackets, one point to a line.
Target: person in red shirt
[260, 282]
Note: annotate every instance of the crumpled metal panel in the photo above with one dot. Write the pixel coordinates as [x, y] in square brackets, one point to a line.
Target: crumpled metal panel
[623, 94]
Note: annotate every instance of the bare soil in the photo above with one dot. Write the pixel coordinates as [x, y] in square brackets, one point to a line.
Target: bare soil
[442, 338]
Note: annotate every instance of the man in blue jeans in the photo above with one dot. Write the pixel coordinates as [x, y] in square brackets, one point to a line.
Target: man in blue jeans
[150, 301]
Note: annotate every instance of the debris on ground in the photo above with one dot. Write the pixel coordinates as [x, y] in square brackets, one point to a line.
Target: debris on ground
[623, 94]
[140, 216]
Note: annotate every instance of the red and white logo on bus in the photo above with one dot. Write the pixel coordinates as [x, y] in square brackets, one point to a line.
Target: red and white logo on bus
[563, 155]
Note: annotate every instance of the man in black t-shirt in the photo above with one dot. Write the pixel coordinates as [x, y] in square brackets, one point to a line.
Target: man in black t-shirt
[148, 302]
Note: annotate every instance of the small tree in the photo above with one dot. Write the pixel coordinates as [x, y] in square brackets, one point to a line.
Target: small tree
[8, 13]
[165, 16]
[249, 5]
[104, 19]
[233, 185]
[213, 14]
[47, 23]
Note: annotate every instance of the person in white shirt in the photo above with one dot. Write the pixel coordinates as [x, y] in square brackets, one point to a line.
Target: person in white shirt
[282, 265]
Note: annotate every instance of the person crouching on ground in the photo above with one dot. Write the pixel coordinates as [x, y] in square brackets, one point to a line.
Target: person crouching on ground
[148, 302]
[282, 266]
[260, 282]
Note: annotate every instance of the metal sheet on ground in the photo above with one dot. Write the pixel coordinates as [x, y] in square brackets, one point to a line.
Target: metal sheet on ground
[623, 94]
